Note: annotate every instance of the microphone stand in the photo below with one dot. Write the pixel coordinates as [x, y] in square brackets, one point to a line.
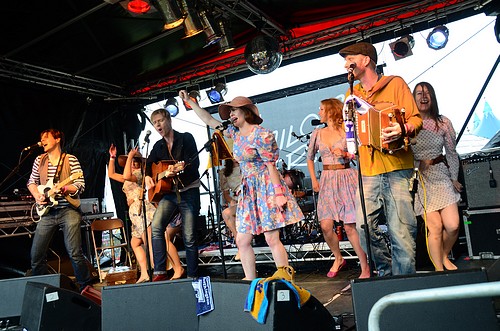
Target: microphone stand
[218, 208]
[208, 147]
[144, 213]
[351, 116]
[17, 167]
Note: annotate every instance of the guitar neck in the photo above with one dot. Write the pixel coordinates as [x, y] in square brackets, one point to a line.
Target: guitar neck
[64, 182]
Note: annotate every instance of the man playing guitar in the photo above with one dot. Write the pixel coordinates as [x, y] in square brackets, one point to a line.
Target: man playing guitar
[60, 205]
[172, 173]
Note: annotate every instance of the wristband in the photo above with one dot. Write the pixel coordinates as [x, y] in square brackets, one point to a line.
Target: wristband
[277, 186]
[112, 157]
[63, 190]
[279, 195]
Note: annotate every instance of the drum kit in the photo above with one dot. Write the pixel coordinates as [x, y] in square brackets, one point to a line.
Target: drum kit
[306, 230]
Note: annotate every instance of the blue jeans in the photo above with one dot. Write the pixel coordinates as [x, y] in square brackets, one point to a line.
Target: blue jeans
[387, 198]
[68, 220]
[168, 207]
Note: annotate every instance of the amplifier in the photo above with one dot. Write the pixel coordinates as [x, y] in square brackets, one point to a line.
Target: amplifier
[90, 206]
[482, 179]
[482, 231]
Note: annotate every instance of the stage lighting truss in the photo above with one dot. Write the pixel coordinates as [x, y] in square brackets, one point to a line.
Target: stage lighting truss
[438, 37]
[216, 93]
[401, 48]
[193, 95]
[172, 107]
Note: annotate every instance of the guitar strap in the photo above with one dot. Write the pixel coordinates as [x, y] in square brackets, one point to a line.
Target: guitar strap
[59, 168]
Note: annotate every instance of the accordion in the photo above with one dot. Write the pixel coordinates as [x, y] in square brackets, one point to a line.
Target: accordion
[369, 126]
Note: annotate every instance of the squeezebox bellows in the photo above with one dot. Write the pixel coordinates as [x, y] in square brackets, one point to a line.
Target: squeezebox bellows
[377, 117]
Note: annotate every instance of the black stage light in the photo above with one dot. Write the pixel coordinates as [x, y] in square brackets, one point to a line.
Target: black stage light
[193, 95]
[215, 94]
[438, 37]
[401, 48]
[172, 107]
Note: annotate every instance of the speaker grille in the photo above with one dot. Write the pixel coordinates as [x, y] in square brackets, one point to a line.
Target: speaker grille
[477, 176]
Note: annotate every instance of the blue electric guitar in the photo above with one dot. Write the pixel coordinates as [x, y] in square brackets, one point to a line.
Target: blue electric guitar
[50, 190]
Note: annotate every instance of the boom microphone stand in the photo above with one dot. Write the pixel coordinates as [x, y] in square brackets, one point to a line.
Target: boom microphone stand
[144, 210]
[351, 117]
[208, 147]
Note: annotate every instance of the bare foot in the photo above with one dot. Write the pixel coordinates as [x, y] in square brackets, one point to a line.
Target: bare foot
[448, 264]
[364, 274]
[143, 279]
[179, 273]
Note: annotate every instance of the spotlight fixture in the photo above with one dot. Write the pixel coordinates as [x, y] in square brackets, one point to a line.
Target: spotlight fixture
[193, 95]
[215, 94]
[401, 48]
[170, 11]
[138, 6]
[263, 55]
[226, 43]
[172, 107]
[210, 28]
[192, 23]
[438, 37]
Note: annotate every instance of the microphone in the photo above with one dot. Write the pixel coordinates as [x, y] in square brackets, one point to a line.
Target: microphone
[316, 122]
[38, 144]
[223, 126]
[350, 74]
[284, 166]
[146, 138]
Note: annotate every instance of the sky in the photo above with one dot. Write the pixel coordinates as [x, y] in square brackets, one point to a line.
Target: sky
[457, 73]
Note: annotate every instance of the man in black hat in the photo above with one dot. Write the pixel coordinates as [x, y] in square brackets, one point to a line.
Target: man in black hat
[386, 175]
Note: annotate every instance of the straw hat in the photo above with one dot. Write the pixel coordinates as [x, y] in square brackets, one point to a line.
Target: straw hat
[225, 109]
[122, 159]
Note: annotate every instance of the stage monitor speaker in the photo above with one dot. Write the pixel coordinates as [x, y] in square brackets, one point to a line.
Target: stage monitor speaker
[283, 313]
[49, 308]
[457, 315]
[12, 292]
[172, 306]
[482, 187]
[150, 306]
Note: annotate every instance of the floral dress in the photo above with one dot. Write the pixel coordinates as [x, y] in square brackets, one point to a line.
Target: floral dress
[133, 191]
[437, 190]
[337, 194]
[257, 211]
